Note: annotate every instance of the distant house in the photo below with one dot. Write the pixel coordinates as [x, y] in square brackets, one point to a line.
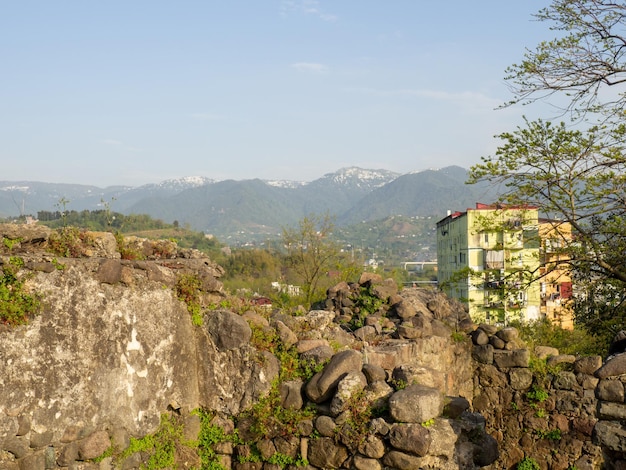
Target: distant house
[289, 289]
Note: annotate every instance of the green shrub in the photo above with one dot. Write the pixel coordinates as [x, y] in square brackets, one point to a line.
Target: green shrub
[188, 288]
[126, 252]
[528, 463]
[16, 304]
[544, 333]
[161, 447]
[70, 242]
[537, 394]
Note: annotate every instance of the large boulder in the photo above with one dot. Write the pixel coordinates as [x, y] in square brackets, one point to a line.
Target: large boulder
[323, 384]
[416, 404]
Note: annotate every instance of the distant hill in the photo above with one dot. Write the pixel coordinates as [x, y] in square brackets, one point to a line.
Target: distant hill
[429, 192]
[237, 211]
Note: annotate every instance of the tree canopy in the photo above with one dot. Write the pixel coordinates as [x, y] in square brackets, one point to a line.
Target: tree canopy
[575, 171]
[587, 56]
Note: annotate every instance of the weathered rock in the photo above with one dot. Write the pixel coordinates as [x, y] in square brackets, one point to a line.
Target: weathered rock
[508, 334]
[349, 385]
[489, 329]
[613, 367]
[287, 337]
[443, 439]
[483, 353]
[325, 425]
[412, 438]
[372, 447]
[228, 330]
[520, 378]
[611, 435]
[416, 404]
[610, 390]
[515, 358]
[588, 365]
[455, 407]
[565, 380]
[408, 374]
[405, 310]
[401, 460]
[363, 463]
[291, 395]
[374, 373]
[94, 445]
[497, 343]
[365, 333]
[611, 411]
[408, 331]
[368, 278]
[318, 355]
[561, 359]
[109, 271]
[323, 384]
[544, 352]
[18, 446]
[479, 337]
[485, 450]
[40, 439]
[324, 453]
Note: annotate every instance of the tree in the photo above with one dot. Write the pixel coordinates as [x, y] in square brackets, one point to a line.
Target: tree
[589, 55]
[313, 256]
[575, 175]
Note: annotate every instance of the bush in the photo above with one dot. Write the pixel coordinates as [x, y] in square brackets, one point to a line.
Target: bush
[528, 463]
[70, 242]
[16, 305]
[544, 333]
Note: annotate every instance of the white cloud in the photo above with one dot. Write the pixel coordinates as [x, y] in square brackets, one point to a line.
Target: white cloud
[310, 67]
[306, 7]
[111, 142]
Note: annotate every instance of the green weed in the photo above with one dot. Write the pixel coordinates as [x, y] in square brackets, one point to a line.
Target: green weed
[16, 304]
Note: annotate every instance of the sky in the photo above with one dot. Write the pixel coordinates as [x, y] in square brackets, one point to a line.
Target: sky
[135, 92]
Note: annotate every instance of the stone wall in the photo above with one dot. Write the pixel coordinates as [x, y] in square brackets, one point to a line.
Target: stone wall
[410, 384]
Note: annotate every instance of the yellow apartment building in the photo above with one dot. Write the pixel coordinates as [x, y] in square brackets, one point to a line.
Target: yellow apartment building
[555, 281]
[486, 258]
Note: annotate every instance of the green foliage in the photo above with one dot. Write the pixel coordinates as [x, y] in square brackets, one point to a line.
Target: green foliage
[358, 412]
[571, 172]
[553, 435]
[545, 333]
[270, 419]
[428, 423]
[188, 289]
[312, 255]
[537, 394]
[58, 265]
[11, 243]
[367, 303]
[126, 252]
[161, 447]
[528, 463]
[70, 242]
[210, 435]
[458, 336]
[16, 304]
[540, 368]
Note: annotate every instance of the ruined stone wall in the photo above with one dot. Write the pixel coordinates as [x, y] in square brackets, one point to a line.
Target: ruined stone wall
[414, 384]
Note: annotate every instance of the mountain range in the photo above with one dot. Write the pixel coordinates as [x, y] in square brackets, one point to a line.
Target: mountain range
[258, 209]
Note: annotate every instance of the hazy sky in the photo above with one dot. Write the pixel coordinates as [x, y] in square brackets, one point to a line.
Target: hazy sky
[133, 92]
